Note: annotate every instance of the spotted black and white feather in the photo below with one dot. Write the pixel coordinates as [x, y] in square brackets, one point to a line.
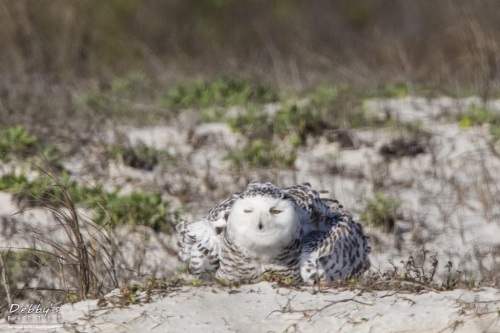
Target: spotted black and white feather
[315, 214]
[339, 253]
[293, 233]
[200, 246]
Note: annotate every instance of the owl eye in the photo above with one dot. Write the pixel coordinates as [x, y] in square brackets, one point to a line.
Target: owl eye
[247, 211]
[275, 211]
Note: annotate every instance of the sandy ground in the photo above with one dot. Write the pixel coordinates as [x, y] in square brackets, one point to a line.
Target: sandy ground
[265, 308]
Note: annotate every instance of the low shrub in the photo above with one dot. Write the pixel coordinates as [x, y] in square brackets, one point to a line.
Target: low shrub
[261, 154]
[136, 208]
[222, 92]
[381, 211]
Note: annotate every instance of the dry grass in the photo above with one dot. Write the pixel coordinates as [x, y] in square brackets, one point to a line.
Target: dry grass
[446, 45]
[69, 256]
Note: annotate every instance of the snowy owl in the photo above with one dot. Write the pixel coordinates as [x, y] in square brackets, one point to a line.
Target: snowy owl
[289, 232]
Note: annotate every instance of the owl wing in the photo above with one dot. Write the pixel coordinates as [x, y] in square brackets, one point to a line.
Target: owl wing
[340, 253]
[315, 213]
[200, 244]
[200, 241]
[219, 214]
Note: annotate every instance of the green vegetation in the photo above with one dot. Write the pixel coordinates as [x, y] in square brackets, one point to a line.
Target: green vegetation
[393, 91]
[109, 106]
[413, 128]
[329, 108]
[21, 265]
[17, 142]
[133, 98]
[211, 115]
[397, 90]
[254, 123]
[131, 85]
[495, 131]
[261, 154]
[221, 92]
[16, 260]
[478, 115]
[341, 107]
[129, 99]
[109, 207]
[136, 208]
[95, 101]
[381, 211]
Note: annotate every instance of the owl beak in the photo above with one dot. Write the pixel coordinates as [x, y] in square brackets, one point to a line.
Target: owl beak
[261, 223]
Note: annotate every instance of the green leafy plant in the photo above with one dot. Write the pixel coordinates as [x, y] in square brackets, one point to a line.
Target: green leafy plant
[414, 128]
[329, 108]
[196, 283]
[495, 131]
[49, 155]
[133, 109]
[211, 115]
[136, 208]
[15, 260]
[20, 266]
[131, 84]
[254, 123]
[381, 211]
[327, 94]
[338, 107]
[478, 115]
[390, 90]
[261, 154]
[16, 141]
[95, 101]
[221, 92]
[258, 123]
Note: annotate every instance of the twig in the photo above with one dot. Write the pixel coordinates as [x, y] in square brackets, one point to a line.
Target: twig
[340, 301]
[109, 308]
[405, 282]
[4, 276]
[316, 311]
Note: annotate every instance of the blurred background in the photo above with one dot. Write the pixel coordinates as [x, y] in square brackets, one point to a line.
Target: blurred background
[450, 44]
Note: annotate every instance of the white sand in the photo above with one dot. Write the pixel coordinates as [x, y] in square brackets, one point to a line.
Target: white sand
[262, 308]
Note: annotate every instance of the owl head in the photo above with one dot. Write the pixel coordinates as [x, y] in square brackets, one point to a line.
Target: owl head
[263, 220]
